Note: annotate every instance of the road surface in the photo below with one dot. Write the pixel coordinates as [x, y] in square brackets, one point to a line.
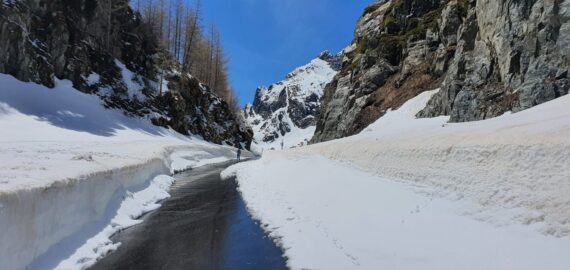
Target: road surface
[204, 225]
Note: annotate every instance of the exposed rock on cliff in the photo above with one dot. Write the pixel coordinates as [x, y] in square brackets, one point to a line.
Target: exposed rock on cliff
[488, 57]
[511, 55]
[391, 60]
[115, 56]
[287, 110]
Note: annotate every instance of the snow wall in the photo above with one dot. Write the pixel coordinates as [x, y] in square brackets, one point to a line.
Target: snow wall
[516, 161]
[44, 225]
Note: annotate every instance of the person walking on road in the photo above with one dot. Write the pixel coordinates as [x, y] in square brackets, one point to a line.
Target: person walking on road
[239, 154]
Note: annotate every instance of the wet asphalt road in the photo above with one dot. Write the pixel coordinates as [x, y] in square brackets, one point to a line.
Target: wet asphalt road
[204, 225]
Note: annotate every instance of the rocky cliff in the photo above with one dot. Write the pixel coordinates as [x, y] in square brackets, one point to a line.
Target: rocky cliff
[287, 111]
[510, 56]
[105, 48]
[487, 57]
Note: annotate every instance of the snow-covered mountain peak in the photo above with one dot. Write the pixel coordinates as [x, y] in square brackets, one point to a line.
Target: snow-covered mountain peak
[286, 111]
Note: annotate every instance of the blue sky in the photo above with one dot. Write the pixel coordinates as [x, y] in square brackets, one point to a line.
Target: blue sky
[266, 39]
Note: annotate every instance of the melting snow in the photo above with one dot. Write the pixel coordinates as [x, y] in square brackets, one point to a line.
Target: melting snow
[422, 193]
[72, 173]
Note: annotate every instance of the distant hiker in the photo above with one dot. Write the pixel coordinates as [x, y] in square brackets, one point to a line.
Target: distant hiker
[282, 143]
[239, 154]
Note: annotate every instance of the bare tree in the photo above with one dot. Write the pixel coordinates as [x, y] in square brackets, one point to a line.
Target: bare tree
[192, 32]
[178, 29]
[216, 58]
[109, 7]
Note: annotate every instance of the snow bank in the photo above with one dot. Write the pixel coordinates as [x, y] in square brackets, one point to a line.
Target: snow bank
[517, 161]
[328, 215]
[72, 172]
[44, 225]
[134, 206]
[422, 193]
[184, 160]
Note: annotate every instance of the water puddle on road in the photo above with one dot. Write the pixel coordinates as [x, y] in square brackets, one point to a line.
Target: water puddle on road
[204, 225]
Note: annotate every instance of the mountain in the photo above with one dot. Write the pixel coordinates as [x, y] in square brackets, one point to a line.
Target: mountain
[116, 56]
[486, 57]
[287, 111]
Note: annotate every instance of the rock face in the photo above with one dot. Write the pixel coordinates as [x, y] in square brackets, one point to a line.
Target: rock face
[511, 55]
[115, 56]
[287, 110]
[391, 60]
[488, 57]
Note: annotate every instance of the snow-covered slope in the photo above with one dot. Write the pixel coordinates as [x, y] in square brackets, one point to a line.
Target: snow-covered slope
[411, 193]
[286, 111]
[72, 170]
[116, 58]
